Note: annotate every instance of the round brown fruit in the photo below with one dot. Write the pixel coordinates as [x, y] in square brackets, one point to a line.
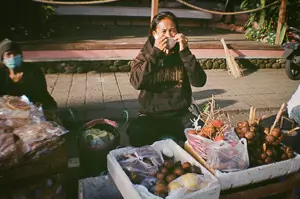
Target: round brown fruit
[263, 156]
[164, 170]
[269, 152]
[244, 129]
[240, 124]
[160, 176]
[252, 129]
[178, 171]
[249, 135]
[170, 177]
[276, 132]
[161, 190]
[284, 156]
[268, 160]
[245, 124]
[290, 155]
[270, 139]
[168, 164]
[186, 166]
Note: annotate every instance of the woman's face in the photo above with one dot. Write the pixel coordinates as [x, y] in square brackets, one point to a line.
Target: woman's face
[10, 54]
[166, 27]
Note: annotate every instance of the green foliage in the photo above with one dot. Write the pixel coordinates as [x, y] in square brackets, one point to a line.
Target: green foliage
[25, 19]
[262, 25]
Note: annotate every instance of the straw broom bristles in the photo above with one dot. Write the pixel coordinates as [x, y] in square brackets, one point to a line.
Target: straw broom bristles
[231, 63]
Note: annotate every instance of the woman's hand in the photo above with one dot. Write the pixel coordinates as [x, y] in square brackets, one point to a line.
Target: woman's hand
[182, 40]
[15, 77]
[161, 43]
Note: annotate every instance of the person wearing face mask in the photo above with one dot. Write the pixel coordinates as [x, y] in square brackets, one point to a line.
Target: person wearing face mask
[17, 79]
[163, 72]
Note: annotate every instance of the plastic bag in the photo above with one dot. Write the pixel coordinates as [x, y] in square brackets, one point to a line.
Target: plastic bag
[14, 108]
[40, 138]
[202, 145]
[11, 149]
[224, 156]
[143, 161]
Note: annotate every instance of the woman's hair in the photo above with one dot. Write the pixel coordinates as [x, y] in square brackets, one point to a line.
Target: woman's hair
[160, 16]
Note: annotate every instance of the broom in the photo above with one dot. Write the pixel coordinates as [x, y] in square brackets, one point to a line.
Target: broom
[233, 67]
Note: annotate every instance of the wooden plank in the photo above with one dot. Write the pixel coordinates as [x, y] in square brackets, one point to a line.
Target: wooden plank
[138, 45]
[154, 9]
[288, 185]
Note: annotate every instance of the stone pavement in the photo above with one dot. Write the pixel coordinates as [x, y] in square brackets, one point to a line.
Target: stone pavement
[107, 94]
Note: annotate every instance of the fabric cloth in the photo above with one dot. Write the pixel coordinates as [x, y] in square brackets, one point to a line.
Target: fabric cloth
[165, 81]
[295, 114]
[6, 45]
[294, 101]
[32, 84]
[145, 130]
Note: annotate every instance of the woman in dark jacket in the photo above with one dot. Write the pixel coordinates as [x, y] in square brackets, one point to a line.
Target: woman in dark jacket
[16, 79]
[163, 73]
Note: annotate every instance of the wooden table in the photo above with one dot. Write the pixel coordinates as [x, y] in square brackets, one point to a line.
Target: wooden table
[275, 189]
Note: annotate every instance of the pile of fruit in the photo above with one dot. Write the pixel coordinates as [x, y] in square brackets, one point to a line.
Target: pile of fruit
[263, 142]
[213, 130]
[213, 127]
[169, 176]
[170, 171]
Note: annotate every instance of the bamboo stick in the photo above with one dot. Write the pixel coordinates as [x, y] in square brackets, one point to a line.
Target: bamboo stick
[278, 116]
[231, 63]
[281, 20]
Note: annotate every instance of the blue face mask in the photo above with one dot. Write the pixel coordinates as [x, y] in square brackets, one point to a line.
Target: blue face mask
[13, 62]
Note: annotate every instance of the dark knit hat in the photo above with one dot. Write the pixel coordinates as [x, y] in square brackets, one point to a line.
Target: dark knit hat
[6, 45]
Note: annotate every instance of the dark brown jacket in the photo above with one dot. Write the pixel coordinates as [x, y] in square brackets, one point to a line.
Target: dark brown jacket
[164, 81]
[32, 84]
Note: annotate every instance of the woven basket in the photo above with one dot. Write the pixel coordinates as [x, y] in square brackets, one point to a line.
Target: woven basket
[103, 124]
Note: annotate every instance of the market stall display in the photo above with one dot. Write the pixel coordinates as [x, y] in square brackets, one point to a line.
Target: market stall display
[148, 171]
[26, 137]
[268, 157]
[217, 143]
[25, 134]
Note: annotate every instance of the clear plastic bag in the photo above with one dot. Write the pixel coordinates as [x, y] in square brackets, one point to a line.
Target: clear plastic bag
[11, 149]
[227, 157]
[33, 133]
[40, 138]
[16, 108]
[202, 145]
[143, 161]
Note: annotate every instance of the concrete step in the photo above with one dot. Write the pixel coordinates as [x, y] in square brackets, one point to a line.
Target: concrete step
[129, 54]
[126, 11]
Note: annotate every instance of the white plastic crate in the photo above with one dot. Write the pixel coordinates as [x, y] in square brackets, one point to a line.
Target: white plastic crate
[129, 192]
[252, 175]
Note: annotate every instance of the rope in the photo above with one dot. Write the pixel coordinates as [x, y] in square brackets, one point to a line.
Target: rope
[180, 1]
[226, 13]
[74, 2]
